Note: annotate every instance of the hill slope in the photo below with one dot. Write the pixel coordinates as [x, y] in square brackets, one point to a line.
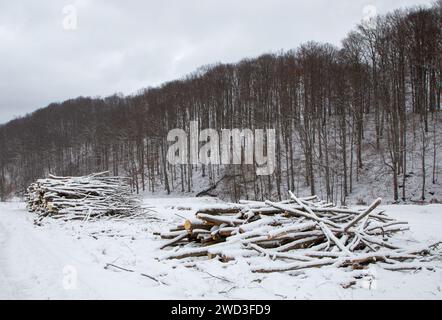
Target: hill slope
[350, 122]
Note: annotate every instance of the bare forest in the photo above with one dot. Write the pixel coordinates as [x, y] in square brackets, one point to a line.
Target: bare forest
[365, 113]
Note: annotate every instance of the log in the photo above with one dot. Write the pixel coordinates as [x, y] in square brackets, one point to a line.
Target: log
[296, 266]
[218, 220]
[186, 253]
[190, 224]
[363, 214]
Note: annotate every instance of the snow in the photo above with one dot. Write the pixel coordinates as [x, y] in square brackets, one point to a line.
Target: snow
[67, 260]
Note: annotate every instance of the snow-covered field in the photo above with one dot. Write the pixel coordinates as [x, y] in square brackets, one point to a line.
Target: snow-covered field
[67, 260]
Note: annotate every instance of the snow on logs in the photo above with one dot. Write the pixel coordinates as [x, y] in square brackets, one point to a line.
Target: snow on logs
[84, 197]
[296, 234]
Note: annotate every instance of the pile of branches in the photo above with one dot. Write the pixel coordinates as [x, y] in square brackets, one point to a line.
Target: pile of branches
[86, 197]
[295, 234]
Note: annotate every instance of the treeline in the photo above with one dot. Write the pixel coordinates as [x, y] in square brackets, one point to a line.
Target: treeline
[328, 105]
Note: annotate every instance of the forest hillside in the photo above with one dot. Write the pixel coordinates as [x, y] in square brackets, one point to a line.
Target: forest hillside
[360, 119]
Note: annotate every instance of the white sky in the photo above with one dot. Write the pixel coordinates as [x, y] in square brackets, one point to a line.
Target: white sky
[123, 46]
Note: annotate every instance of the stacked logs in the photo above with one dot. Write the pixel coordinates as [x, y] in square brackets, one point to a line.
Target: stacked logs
[86, 197]
[299, 233]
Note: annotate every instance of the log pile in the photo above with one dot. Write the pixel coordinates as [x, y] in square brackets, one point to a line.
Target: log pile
[86, 197]
[296, 234]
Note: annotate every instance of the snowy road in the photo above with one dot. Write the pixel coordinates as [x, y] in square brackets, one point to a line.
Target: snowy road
[34, 264]
[8, 290]
[29, 265]
[67, 261]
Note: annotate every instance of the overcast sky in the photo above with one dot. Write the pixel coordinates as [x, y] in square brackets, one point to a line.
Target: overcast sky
[52, 50]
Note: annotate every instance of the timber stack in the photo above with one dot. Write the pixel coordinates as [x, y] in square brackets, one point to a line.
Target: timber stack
[295, 234]
[85, 197]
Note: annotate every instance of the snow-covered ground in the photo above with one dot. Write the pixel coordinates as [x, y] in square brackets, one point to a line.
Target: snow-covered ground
[67, 260]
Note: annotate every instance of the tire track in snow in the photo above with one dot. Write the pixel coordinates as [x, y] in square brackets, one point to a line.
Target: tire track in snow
[7, 289]
[32, 266]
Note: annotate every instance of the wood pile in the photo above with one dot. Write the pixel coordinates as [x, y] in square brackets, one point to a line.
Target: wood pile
[295, 234]
[86, 197]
